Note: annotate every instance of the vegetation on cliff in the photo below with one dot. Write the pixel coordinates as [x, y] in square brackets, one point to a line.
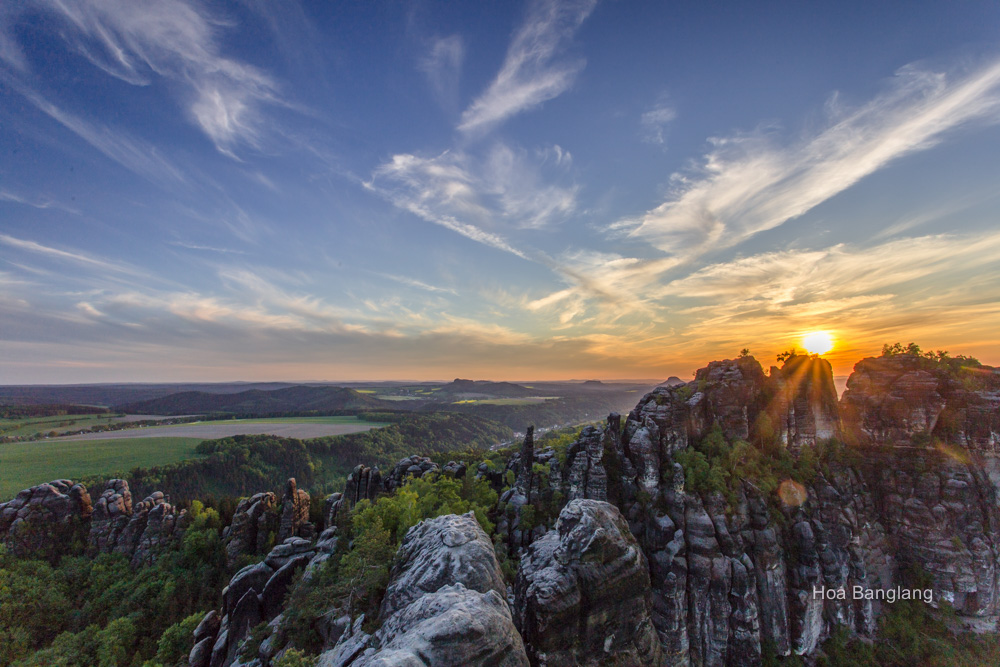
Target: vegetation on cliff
[87, 611]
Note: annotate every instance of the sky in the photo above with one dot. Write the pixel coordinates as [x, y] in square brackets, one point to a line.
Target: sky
[253, 190]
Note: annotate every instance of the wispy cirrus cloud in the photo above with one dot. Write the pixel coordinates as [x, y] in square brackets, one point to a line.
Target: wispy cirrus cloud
[41, 203]
[179, 40]
[748, 183]
[477, 197]
[65, 255]
[132, 153]
[654, 122]
[839, 271]
[533, 71]
[413, 282]
[443, 66]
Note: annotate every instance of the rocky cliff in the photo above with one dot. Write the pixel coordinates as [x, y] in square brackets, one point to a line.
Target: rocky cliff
[723, 519]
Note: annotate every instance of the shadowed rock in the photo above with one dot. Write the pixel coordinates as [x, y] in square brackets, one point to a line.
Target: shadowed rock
[583, 592]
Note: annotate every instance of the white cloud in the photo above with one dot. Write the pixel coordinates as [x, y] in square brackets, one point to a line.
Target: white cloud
[443, 67]
[655, 121]
[134, 154]
[477, 197]
[532, 72]
[179, 40]
[747, 184]
[35, 202]
[413, 282]
[64, 255]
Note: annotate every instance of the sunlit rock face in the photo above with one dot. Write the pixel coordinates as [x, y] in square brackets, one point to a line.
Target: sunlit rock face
[804, 401]
[906, 399]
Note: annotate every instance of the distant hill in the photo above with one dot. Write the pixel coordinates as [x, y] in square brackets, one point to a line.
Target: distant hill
[485, 389]
[296, 399]
[113, 395]
[672, 381]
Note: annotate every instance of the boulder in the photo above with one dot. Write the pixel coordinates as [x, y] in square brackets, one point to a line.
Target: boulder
[437, 552]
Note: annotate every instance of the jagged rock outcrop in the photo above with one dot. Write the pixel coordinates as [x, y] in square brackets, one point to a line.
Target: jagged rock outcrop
[111, 515]
[255, 594]
[444, 605]
[363, 483]
[585, 476]
[255, 523]
[45, 518]
[903, 398]
[294, 513]
[804, 401]
[583, 592]
[412, 466]
[942, 518]
[155, 523]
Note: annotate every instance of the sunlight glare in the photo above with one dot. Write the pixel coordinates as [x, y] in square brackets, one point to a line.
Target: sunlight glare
[818, 342]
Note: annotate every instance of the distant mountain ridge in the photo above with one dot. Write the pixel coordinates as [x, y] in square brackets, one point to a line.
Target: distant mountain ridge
[486, 388]
[296, 399]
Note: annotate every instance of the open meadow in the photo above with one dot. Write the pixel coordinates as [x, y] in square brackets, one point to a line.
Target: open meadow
[24, 464]
[287, 427]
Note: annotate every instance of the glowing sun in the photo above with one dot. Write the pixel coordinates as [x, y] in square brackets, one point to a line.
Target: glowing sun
[818, 342]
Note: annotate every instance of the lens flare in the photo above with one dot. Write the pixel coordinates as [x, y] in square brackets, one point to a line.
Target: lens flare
[818, 342]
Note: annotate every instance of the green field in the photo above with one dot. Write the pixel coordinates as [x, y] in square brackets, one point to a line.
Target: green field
[530, 400]
[338, 419]
[24, 464]
[57, 423]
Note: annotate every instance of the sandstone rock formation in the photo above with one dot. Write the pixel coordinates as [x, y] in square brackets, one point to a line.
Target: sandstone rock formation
[444, 605]
[255, 523]
[44, 518]
[804, 402]
[899, 398]
[294, 513]
[255, 594]
[583, 592]
[412, 466]
[362, 483]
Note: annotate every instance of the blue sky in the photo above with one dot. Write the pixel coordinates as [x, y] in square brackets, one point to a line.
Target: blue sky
[540, 190]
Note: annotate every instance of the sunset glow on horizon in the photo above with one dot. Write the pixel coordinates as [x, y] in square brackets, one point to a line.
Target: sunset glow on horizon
[198, 191]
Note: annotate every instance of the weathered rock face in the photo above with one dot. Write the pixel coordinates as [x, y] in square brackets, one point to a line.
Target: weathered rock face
[731, 393]
[437, 552]
[362, 483]
[254, 523]
[155, 523]
[45, 518]
[444, 605]
[939, 512]
[111, 515]
[294, 513]
[585, 475]
[583, 592]
[804, 403]
[897, 399]
[255, 594]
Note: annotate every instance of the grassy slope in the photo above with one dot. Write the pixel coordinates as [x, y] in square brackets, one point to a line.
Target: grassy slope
[24, 464]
